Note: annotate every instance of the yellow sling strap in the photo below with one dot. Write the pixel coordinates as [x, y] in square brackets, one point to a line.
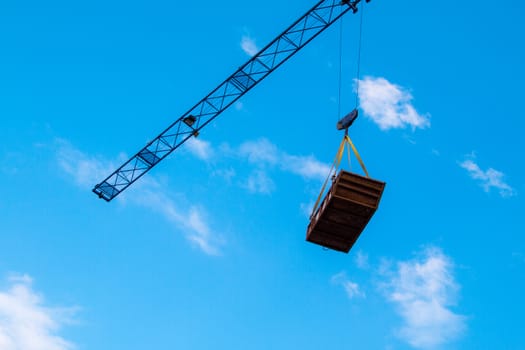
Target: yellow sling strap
[349, 141]
[335, 165]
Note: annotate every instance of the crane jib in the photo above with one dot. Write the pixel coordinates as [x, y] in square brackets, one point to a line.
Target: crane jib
[278, 51]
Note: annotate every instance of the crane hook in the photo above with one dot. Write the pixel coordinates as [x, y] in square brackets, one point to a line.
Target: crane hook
[347, 120]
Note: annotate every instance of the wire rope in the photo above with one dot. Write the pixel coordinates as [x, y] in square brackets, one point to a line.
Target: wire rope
[359, 56]
[340, 68]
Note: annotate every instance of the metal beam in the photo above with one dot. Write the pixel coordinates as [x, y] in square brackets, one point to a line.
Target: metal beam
[273, 55]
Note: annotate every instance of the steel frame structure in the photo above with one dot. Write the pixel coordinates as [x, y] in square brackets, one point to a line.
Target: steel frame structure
[273, 55]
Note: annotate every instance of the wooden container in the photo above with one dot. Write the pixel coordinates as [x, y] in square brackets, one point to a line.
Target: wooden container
[345, 211]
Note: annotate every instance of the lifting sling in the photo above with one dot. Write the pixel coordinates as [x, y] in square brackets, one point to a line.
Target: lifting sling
[337, 162]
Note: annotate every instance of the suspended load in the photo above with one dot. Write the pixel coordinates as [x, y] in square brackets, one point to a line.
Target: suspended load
[345, 211]
[338, 220]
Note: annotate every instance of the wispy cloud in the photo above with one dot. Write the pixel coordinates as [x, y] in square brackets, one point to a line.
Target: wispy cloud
[86, 170]
[200, 148]
[488, 179]
[227, 174]
[192, 221]
[260, 152]
[27, 323]
[239, 105]
[248, 45]
[520, 257]
[389, 105]
[306, 208]
[306, 166]
[351, 289]
[264, 153]
[361, 260]
[423, 290]
[10, 162]
[264, 158]
[259, 182]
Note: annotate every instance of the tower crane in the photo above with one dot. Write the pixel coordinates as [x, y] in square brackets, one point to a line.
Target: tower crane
[258, 67]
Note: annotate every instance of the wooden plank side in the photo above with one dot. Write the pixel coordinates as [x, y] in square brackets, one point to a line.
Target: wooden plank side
[357, 188]
[365, 181]
[345, 217]
[348, 233]
[336, 230]
[345, 211]
[364, 190]
[351, 207]
[357, 196]
[328, 240]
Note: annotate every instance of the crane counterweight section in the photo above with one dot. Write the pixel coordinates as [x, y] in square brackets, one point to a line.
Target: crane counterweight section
[273, 55]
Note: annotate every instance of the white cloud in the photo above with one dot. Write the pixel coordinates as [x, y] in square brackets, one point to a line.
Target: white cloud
[227, 174]
[195, 228]
[423, 290]
[361, 260]
[266, 156]
[87, 170]
[249, 46]
[488, 179]
[10, 162]
[239, 105]
[260, 152]
[306, 208]
[84, 169]
[389, 105]
[259, 182]
[26, 323]
[352, 289]
[199, 148]
[264, 153]
[305, 166]
[201, 235]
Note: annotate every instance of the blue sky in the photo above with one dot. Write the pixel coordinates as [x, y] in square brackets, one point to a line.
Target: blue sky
[208, 249]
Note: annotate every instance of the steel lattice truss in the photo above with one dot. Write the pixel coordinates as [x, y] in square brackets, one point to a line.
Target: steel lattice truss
[306, 28]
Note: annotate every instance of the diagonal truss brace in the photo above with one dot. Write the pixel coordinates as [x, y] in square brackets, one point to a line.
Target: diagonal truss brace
[300, 33]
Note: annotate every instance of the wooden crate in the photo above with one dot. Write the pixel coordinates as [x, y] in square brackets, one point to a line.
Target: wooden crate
[345, 211]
